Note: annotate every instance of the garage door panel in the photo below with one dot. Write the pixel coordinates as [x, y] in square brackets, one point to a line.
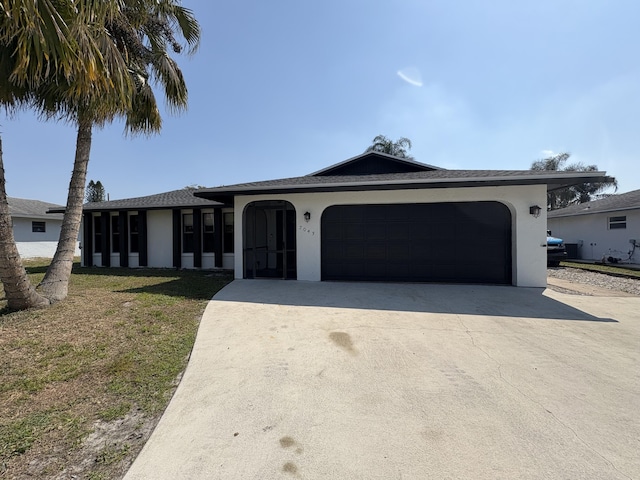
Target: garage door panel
[399, 271]
[375, 231]
[375, 252]
[444, 242]
[421, 231]
[377, 270]
[379, 213]
[399, 231]
[353, 231]
[429, 252]
[350, 216]
[400, 253]
[352, 252]
[332, 234]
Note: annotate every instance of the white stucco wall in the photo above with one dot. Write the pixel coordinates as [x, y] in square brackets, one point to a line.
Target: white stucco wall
[160, 238]
[37, 244]
[37, 249]
[594, 238]
[22, 230]
[528, 236]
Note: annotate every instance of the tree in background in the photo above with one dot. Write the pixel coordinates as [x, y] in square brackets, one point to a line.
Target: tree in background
[95, 192]
[385, 145]
[581, 193]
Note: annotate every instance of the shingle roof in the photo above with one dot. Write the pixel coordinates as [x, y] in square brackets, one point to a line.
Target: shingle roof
[24, 208]
[623, 201]
[182, 198]
[424, 179]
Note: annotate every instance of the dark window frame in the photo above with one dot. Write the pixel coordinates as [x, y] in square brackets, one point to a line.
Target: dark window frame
[618, 222]
[134, 233]
[115, 234]
[187, 233]
[38, 227]
[228, 232]
[208, 232]
[97, 235]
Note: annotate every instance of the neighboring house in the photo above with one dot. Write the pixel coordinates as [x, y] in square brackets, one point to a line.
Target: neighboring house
[601, 229]
[36, 232]
[171, 229]
[376, 217]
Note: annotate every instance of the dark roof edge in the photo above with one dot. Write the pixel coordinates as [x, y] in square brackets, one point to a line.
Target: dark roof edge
[138, 209]
[375, 186]
[399, 184]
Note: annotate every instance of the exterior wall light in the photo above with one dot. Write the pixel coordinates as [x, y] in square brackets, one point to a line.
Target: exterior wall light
[307, 216]
[535, 211]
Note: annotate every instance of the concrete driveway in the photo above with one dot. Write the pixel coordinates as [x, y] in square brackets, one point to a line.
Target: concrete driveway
[404, 381]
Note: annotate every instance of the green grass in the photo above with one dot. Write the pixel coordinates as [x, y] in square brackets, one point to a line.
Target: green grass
[114, 412]
[113, 348]
[617, 270]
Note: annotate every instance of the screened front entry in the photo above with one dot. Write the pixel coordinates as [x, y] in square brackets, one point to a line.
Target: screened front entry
[459, 242]
[269, 249]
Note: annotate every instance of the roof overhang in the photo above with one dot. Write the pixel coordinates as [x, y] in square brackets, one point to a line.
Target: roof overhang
[48, 215]
[555, 182]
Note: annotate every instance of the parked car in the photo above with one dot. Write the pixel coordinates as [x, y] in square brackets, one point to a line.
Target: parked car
[556, 251]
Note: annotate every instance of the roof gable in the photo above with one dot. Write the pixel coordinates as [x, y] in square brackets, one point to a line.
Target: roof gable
[373, 163]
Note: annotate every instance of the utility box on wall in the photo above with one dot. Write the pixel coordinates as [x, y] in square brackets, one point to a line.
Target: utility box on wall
[572, 251]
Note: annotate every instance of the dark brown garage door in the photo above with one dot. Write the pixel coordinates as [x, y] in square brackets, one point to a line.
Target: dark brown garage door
[464, 242]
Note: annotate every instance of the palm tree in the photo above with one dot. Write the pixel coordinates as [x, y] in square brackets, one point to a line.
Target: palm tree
[143, 32]
[385, 145]
[39, 42]
[88, 62]
[581, 193]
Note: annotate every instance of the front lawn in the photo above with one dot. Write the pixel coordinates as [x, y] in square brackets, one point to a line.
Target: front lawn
[84, 381]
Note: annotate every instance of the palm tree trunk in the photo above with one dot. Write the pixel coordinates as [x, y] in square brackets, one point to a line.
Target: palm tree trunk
[55, 284]
[18, 291]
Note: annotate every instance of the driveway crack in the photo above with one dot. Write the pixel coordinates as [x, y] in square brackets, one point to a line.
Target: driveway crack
[533, 400]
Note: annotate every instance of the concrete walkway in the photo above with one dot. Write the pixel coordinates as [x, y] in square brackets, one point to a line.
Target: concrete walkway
[396, 381]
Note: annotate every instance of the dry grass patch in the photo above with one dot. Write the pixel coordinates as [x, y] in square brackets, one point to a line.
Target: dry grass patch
[619, 270]
[83, 382]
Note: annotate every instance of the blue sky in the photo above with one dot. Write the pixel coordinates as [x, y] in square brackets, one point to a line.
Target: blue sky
[285, 88]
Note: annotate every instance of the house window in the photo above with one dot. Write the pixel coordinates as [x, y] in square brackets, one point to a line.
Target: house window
[207, 232]
[187, 233]
[134, 245]
[616, 223]
[97, 235]
[115, 235]
[227, 239]
[38, 227]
